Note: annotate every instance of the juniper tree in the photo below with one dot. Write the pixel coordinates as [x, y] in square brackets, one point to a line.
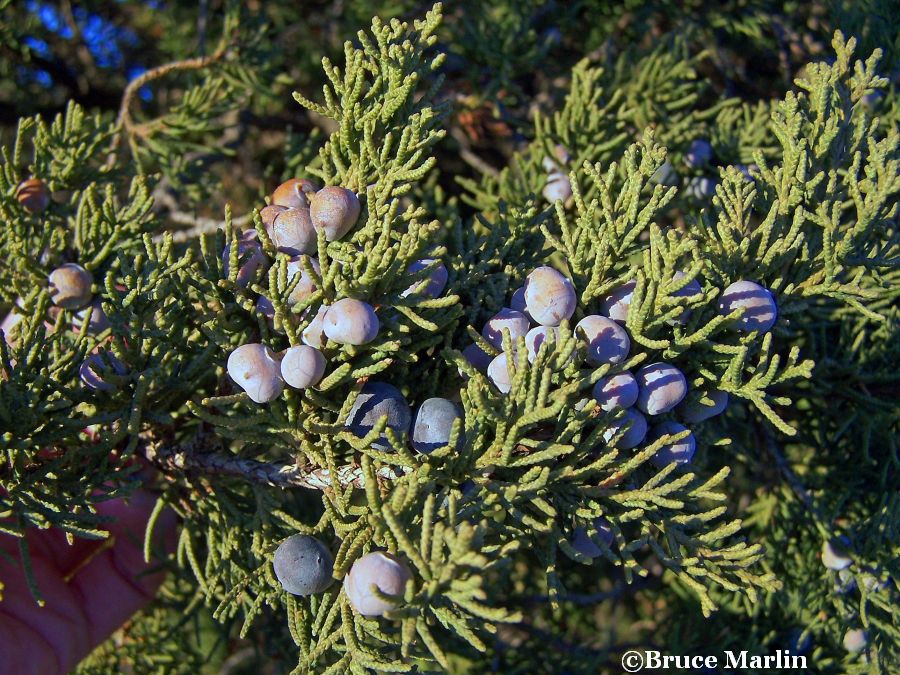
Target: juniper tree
[536, 524]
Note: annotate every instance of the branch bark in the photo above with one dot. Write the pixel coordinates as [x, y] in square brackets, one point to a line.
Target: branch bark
[196, 456]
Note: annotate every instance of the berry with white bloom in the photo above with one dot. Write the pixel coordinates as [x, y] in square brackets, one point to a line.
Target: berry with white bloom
[616, 304]
[437, 278]
[302, 366]
[557, 188]
[294, 193]
[70, 286]
[855, 640]
[94, 367]
[334, 210]
[432, 424]
[256, 369]
[635, 426]
[583, 543]
[616, 391]
[303, 565]
[834, 554]
[549, 296]
[760, 310]
[678, 452]
[506, 319]
[381, 569]
[293, 232]
[662, 387]
[537, 336]
[250, 258]
[377, 400]
[606, 341]
[351, 322]
[306, 286]
[695, 410]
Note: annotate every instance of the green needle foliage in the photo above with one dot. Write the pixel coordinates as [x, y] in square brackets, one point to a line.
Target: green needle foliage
[724, 552]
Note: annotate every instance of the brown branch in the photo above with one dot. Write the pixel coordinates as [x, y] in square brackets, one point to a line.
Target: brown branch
[196, 456]
[125, 121]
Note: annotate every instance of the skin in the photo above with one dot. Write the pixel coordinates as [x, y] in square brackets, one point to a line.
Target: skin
[90, 587]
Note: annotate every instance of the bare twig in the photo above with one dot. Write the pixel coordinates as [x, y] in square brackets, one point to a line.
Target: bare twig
[197, 456]
[470, 157]
[198, 225]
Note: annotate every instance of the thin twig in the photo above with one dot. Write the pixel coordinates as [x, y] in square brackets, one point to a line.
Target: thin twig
[125, 122]
[198, 225]
[470, 157]
[196, 456]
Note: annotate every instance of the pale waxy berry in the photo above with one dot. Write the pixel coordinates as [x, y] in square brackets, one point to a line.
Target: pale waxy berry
[834, 554]
[695, 410]
[678, 452]
[98, 321]
[267, 215]
[256, 369]
[334, 210]
[760, 310]
[517, 302]
[635, 426]
[302, 366]
[505, 320]
[294, 193]
[314, 334]
[691, 290]
[306, 286]
[265, 307]
[855, 640]
[350, 322]
[538, 336]
[437, 278]
[94, 369]
[250, 258]
[70, 286]
[479, 358]
[33, 195]
[616, 391]
[433, 423]
[662, 387]
[382, 570]
[605, 340]
[549, 296]
[498, 372]
[557, 188]
[582, 542]
[616, 304]
[303, 565]
[293, 233]
[377, 400]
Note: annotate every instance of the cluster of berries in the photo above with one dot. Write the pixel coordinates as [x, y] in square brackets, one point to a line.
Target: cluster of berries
[699, 156]
[304, 566]
[297, 213]
[548, 298]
